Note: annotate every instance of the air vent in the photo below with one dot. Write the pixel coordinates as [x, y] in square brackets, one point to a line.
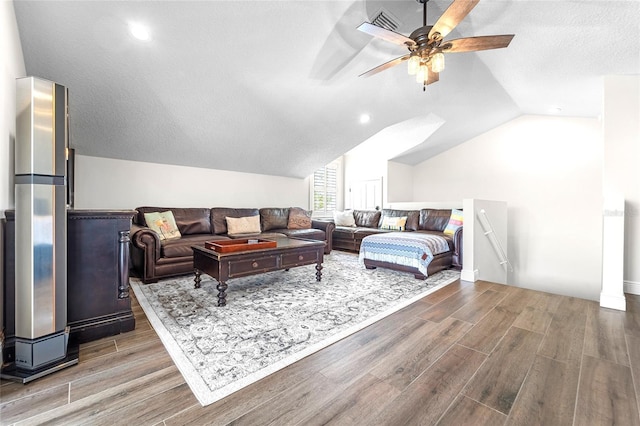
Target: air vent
[386, 20]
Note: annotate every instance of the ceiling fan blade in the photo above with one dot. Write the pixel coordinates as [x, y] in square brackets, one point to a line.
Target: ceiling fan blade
[385, 34]
[386, 65]
[472, 44]
[452, 17]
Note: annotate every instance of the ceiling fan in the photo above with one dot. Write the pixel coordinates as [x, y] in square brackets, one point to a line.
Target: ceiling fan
[426, 44]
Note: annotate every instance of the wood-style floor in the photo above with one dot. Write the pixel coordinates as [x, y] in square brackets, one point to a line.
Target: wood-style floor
[471, 353]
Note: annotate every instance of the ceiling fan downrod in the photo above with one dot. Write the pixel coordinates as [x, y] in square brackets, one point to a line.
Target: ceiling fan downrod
[424, 11]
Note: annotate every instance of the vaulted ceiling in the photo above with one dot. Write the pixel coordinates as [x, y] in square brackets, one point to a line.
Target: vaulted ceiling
[272, 87]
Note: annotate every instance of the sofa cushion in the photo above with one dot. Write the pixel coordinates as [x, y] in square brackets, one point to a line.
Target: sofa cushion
[363, 232]
[356, 233]
[274, 218]
[413, 217]
[219, 217]
[243, 225]
[260, 235]
[189, 220]
[344, 218]
[299, 218]
[367, 218]
[455, 222]
[434, 219]
[344, 232]
[311, 233]
[182, 247]
[163, 223]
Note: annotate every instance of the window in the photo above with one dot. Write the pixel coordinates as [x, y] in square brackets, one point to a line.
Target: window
[324, 187]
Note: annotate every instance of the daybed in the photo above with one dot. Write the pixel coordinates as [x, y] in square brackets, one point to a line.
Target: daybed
[424, 221]
[154, 258]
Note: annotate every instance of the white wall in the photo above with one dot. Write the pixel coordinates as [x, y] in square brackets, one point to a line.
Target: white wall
[12, 68]
[549, 172]
[399, 182]
[622, 164]
[104, 183]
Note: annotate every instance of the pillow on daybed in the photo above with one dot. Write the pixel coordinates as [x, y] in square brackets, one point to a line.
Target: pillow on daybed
[344, 218]
[163, 223]
[394, 223]
[243, 225]
[299, 218]
[455, 222]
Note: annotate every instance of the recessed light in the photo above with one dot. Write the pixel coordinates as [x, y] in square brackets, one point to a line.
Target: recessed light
[365, 118]
[139, 31]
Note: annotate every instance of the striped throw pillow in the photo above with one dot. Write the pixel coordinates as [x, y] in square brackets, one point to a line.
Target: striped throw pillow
[455, 222]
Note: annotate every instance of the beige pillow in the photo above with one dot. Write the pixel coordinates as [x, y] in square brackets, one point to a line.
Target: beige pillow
[163, 223]
[243, 225]
[344, 218]
[299, 218]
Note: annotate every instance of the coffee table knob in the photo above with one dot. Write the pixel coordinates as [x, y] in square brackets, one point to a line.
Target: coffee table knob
[254, 264]
[301, 257]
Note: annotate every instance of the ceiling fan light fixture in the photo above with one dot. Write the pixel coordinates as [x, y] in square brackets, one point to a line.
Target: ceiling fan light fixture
[414, 64]
[437, 62]
[422, 73]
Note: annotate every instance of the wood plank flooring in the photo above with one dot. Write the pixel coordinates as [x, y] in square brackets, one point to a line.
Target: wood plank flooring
[469, 354]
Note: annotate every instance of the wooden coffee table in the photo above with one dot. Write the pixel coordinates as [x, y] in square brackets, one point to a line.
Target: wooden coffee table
[289, 253]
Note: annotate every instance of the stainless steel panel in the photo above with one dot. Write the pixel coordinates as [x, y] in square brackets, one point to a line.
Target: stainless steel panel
[60, 255]
[24, 261]
[61, 131]
[35, 353]
[40, 259]
[41, 127]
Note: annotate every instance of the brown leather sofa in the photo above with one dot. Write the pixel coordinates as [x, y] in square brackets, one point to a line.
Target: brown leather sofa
[153, 259]
[432, 221]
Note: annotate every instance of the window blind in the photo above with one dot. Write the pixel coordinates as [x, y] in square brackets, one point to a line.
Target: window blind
[325, 189]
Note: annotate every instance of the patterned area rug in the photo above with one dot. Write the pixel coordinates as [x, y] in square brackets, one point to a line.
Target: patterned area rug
[271, 320]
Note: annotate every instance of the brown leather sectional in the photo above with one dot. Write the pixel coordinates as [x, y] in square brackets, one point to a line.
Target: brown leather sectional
[432, 221]
[153, 259]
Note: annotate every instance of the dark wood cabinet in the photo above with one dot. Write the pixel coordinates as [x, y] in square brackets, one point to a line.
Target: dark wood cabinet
[98, 303]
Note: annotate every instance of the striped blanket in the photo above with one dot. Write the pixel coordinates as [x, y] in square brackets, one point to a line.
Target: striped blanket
[403, 248]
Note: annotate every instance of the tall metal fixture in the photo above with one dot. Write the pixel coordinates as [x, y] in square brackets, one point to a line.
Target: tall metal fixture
[41, 147]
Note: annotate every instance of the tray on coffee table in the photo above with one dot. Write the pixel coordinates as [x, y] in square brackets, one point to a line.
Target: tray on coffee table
[231, 246]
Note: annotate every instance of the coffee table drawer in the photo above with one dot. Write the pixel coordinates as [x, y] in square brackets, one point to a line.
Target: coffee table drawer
[251, 266]
[303, 258]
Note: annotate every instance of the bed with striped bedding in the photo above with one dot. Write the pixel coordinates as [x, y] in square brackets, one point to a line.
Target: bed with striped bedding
[406, 251]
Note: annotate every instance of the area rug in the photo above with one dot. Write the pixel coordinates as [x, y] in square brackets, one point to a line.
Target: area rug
[271, 320]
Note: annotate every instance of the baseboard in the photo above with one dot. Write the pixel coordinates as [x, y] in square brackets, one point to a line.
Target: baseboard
[96, 328]
[613, 301]
[469, 275]
[632, 287]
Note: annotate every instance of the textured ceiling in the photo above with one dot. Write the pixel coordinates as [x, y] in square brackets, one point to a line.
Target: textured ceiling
[271, 87]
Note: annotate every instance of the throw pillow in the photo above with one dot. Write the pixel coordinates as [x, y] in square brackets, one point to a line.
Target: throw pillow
[344, 218]
[243, 225]
[455, 222]
[299, 218]
[163, 223]
[394, 223]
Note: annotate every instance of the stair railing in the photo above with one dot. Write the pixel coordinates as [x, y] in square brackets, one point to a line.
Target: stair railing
[495, 242]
